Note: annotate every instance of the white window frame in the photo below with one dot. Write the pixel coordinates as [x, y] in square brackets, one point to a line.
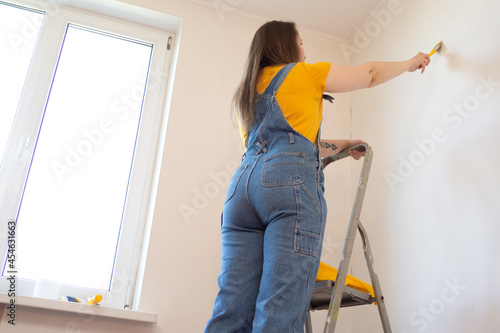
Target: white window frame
[140, 197]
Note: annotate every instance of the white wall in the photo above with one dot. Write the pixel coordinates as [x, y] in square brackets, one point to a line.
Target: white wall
[432, 204]
[202, 148]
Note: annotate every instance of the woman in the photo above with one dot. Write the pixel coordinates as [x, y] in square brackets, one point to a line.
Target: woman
[274, 213]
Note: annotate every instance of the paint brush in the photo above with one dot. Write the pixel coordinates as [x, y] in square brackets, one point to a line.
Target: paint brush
[436, 48]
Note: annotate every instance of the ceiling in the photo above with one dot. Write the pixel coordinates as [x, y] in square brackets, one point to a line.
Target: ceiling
[333, 17]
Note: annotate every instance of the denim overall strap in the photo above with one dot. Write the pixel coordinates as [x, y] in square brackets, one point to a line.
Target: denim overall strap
[278, 79]
[256, 143]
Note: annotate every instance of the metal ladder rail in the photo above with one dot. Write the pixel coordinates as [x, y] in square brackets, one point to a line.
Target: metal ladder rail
[354, 225]
[379, 297]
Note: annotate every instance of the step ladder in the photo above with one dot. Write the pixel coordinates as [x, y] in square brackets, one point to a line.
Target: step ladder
[334, 294]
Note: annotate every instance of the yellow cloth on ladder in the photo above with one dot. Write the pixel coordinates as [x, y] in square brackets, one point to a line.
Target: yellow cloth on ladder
[327, 272]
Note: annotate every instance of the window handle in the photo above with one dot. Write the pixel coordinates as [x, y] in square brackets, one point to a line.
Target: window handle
[25, 145]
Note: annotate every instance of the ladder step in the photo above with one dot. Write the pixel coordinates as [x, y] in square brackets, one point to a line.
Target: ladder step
[322, 294]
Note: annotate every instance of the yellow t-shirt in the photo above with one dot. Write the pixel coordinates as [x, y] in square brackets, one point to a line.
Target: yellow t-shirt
[299, 96]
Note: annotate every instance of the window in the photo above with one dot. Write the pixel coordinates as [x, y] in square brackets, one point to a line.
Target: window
[19, 29]
[78, 139]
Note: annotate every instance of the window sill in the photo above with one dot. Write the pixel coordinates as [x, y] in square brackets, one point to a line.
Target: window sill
[78, 308]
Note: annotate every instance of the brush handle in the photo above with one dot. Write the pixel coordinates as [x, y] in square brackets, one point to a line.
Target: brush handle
[437, 47]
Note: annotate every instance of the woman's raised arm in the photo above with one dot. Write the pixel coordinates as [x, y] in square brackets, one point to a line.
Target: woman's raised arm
[348, 78]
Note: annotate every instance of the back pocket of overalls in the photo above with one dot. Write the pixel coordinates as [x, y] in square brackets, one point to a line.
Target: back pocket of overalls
[233, 183]
[283, 169]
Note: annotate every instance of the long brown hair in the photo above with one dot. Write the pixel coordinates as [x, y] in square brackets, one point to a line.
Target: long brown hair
[275, 43]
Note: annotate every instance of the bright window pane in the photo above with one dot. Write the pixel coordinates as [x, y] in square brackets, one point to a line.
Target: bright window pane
[19, 30]
[72, 207]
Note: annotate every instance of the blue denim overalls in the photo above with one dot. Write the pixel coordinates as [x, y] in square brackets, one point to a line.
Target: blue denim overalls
[272, 227]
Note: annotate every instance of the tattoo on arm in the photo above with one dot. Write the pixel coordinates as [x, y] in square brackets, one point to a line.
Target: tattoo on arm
[327, 145]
